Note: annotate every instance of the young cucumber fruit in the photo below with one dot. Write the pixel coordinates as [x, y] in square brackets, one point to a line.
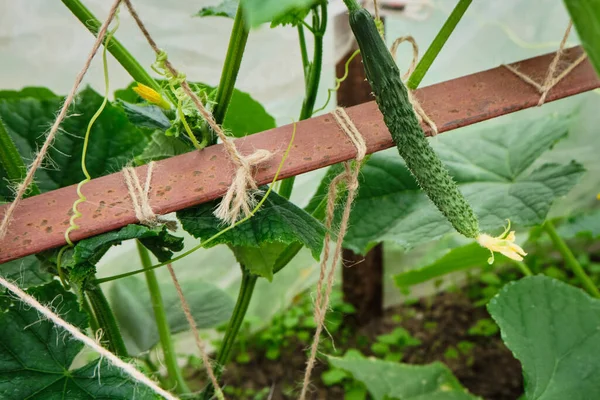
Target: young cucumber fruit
[392, 98]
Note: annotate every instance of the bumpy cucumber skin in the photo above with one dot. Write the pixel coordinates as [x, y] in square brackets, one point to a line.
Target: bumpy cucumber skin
[392, 98]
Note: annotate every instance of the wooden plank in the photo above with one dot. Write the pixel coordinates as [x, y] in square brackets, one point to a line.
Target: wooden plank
[200, 176]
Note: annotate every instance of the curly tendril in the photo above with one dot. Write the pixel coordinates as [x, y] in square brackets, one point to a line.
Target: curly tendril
[81, 197]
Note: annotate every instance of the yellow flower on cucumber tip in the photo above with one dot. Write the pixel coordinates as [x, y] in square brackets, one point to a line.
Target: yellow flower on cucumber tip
[151, 95]
[503, 244]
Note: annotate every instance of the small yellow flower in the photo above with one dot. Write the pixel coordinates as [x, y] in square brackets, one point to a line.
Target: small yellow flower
[598, 196]
[503, 244]
[147, 93]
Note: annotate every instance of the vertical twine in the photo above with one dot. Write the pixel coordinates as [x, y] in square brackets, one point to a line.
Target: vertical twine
[237, 200]
[37, 162]
[350, 177]
[550, 80]
[199, 342]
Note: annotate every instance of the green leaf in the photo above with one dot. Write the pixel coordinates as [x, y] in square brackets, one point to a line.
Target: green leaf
[81, 260]
[552, 328]
[492, 168]
[279, 222]
[210, 307]
[161, 147]
[586, 225]
[145, 116]
[391, 380]
[25, 272]
[261, 11]
[586, 18]
[36, 355]
[227, 8]
[113, 140]
[457, 259]
[41, 93]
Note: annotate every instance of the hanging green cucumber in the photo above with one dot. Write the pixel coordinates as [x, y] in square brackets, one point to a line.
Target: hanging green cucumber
[399, 116]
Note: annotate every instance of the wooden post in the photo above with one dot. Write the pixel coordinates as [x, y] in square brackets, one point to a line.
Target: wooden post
[362, 276]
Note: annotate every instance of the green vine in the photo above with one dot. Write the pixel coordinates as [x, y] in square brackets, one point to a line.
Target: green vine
[162, 324]
[312, 76]
[233, 61]
[105, 322]
[237, 318]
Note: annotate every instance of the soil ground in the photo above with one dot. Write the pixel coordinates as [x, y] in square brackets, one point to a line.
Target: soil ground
[441, 322]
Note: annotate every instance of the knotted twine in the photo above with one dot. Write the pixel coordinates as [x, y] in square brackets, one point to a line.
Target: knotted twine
[350, 178]
[37, 162]
[144, 213]
[550, 80]
[141, 200]
[240, 197]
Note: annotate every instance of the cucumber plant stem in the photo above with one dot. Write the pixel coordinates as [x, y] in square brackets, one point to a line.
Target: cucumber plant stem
[11, 161]
[440, 40]
[121, 54]
[570, 260]
[303, 51]
[164, 332]
[312, 79]
[233, 60]
[105, 320]
[239, 312]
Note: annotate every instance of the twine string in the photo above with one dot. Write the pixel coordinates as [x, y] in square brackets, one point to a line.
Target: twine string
[78, 335]
[550, 79]
[237, 200]
[37, 162]
[199, 342]
[350, 177]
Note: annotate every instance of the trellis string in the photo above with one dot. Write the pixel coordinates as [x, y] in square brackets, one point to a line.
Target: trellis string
[199, 342]
[77, 334]
[350, 177]
[550, 80]
[240, 195]
[37, 162]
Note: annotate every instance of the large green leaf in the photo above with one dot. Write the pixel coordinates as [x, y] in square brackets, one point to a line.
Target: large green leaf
[36, 355]
[256, 241]
[493, 169]
[552, 328]
[586, 18]
[227, 8]
[387, 380]
[26, 272]
[81, 260]
[113, 141]
[261, 11]
[209, 305]
[146, 115]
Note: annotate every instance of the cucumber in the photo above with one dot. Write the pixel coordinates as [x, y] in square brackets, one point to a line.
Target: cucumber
[392, 98]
